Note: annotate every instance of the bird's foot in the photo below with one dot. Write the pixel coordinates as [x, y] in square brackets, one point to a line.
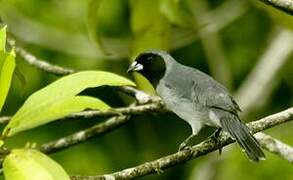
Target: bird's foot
[215, 136]
[184, 146]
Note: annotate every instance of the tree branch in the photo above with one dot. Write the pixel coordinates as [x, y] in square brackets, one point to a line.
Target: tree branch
[84, 135]
[36, 62]
[131, 110]
[283, 5]
[100, 128]
[275, 146]
[198, 150]
[140, 96]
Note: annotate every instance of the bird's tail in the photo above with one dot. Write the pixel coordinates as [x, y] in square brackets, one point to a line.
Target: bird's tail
[240, 132]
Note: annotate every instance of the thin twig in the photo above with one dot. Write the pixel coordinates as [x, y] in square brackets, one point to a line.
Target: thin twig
[36, 62]
[283, 5]
[140, 96]
[200, 149]
[131, 110]
[100, 128]
[84, 135]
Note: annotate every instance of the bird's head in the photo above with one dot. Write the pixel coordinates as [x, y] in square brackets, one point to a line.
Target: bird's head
[151, 64]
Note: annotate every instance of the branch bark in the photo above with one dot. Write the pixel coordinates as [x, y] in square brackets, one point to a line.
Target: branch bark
[275, 146]
[38, 63]
[84, 135]
[101, 128]
[283, 5]
[132, 110]
[198, 150]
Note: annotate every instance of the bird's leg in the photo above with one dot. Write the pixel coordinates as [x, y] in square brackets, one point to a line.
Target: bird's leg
[215, 136]
[184, 145]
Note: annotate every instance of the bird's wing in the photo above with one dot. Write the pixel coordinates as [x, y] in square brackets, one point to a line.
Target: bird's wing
[209, 93]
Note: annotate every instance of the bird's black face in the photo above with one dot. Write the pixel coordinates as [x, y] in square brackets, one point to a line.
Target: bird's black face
[150, 65]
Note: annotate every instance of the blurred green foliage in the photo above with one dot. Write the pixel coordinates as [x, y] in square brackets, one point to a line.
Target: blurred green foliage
[58, 32]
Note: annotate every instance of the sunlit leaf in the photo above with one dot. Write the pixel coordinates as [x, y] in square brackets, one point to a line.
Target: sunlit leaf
[59, 99]
[29, 164]
[58, 110]
[7, 66]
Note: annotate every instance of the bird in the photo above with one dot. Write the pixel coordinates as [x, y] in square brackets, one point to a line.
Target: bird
[196, 98]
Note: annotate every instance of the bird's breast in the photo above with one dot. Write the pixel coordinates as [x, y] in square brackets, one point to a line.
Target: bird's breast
[185, 108]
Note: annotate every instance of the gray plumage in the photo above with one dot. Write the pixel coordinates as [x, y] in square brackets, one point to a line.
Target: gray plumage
[198, 99]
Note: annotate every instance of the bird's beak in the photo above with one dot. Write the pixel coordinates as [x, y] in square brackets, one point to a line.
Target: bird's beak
[134, 67]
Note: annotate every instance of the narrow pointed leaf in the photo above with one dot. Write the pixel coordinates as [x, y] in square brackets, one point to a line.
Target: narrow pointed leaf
[29, 164]
[48, 104]
[7, 66]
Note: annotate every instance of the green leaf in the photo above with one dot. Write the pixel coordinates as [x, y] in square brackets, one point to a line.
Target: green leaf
[2, 38]
[7, 66]
[59, 99]
[151, 31]
[30, 164]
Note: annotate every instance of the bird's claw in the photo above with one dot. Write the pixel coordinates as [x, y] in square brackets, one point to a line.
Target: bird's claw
[184, 146]
[215, 137]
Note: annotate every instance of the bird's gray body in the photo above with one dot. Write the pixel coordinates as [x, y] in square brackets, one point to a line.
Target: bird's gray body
[193, 95]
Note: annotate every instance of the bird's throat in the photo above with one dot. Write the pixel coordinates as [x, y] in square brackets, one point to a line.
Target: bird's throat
[154, 76]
